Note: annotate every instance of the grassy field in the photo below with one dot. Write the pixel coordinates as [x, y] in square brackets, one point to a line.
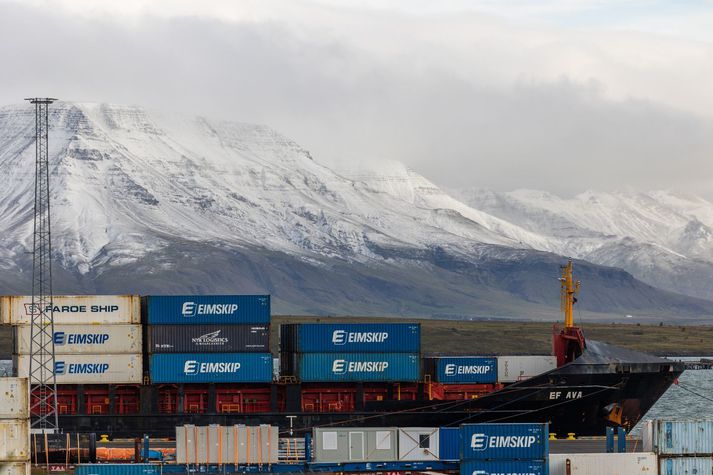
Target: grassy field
[513, 337]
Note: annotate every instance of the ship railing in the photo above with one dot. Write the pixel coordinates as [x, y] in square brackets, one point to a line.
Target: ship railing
[291, 450]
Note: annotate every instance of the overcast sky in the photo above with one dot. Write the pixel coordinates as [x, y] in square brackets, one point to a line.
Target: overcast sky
[562, 95]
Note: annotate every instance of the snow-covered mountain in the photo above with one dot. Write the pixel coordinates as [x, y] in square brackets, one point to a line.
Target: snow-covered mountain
[149, 202]
[664, 238]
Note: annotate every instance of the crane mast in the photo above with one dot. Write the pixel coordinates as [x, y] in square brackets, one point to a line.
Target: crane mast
[568, 343]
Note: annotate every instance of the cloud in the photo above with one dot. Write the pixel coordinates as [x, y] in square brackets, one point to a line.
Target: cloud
[468, 98]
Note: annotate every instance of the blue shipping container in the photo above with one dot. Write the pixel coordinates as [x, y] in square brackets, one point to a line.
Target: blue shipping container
[505, 467]
[207, 309]
[504, 441]
[449, 443]
[359, 337]
[211, 368]
[325, 367]
[687, 437]
[686, 465]
[117, 469]
[467, 369]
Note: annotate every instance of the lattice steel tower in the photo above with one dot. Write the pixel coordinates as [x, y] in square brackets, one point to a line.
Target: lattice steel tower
[42, 358]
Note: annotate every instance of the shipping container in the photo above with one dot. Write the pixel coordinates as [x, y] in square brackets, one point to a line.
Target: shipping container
[15, 440]
[693, 437]
[419, 443]
[15, 468]
[14, 398]
[350, 337]
[118, 469]
[632, 463]
[207, 309]
[236, 444]
[90, 369]
[685, 465]
[504, 441]
[517, 368]
[326, 367]
[504, 467]
[85, 339]
[74, 309]
[211, 368]
[358, 444]
[461, 369]
[208, 338]
[449, 443]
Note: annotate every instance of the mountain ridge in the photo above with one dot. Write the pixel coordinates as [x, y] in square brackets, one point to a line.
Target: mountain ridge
[149, 202]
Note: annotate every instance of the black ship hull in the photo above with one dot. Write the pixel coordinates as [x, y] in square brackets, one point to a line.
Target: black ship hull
[606, 386]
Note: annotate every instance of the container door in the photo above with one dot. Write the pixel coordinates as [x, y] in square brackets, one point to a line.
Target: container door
[356, 446]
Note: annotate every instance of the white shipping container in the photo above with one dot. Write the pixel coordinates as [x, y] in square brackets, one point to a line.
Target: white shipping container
[517, 368]
[604, 464]
[85, 339]
[685, 465]
[236, 444]
[14, 398]
[418, 443]
[90, 369]
[356, 444]
[74, 309]
[15, 440]
[15, 468]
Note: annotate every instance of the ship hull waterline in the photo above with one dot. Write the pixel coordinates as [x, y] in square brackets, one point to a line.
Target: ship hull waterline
[571, 399]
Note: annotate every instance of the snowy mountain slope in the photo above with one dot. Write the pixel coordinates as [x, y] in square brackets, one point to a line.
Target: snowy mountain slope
[663, 238]
[149, 202]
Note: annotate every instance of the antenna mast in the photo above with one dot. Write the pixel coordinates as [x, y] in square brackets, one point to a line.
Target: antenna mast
[43, 382]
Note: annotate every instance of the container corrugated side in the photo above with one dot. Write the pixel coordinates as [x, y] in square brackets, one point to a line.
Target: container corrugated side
[15, 440]
[327, 367]
[355, 337]
[118, 469]
[237, 444]
[632, 463]
[207, 309]
[504, 467]
[517, 368]
[685, 465]
[91, 369]
[15, 468]
[208, 338]
[74, 309]
[464, 369]
[14, 398]
[211, 368]
[504, 441]
[694, 437]
[86, 339]
[449, 444]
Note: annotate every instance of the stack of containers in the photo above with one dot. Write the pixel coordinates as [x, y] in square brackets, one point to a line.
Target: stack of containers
[681, 446]
[208, 339]
[97, 338]
[14, 426]
[351, 352]
[504, 448]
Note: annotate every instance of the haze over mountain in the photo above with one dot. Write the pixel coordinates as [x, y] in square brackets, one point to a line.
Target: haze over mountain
[664, 238]
[149, 202]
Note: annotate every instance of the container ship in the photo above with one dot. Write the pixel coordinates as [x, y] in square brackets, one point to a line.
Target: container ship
[128, 365]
